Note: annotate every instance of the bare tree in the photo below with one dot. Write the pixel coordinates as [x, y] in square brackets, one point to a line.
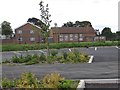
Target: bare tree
[45, 18]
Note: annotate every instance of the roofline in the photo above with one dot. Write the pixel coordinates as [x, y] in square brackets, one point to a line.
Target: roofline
[30, 24]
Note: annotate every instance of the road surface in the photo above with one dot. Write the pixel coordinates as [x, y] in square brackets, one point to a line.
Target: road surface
[104, 66]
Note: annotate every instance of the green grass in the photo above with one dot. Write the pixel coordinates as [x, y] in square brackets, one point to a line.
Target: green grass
[23, 47]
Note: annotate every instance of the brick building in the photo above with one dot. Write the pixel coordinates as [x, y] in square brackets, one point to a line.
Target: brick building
[28, 33]
[72, 34]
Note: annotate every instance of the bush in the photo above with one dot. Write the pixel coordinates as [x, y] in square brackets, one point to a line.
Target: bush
[49, 81]
[33, 61]
[52, 80]
[6, 83]
[65, 55]
[54, 53]
[42, 58]
[27, 80]
[65, 84]
[82, 58]
[50, 59]
[15, 59]
[70, 57]
[25, 47]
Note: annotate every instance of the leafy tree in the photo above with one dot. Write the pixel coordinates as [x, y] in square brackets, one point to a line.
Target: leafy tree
[118, 35]
[68, 24]
[77, 24]
[6, 29]
[35, 21]
[107, 33]
[45, 18]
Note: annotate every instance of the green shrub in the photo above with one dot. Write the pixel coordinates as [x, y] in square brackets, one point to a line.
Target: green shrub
[36, 56]
[54, 53]
[27, 80]
[15, 59]
[25, 47]
[50, 59]
[49, 81]
[6, 83]
[27, 58]
[71, 57]
[42, 58]
[82, 58]
[6, 61]
[65, 84]
[33, 61]
[52, 80]
[64, 55]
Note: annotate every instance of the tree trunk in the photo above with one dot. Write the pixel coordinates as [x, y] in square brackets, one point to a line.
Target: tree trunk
[47, 45]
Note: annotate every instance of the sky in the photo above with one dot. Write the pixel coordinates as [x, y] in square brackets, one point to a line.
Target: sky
[101, 13]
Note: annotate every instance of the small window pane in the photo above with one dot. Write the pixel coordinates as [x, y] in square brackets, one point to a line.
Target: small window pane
[20, 39]
[71, 35]
[61, 35]
[31, 32]
[61, 39]
[20, 32]
[66, 37]
[81, 39]
[76, 36]
[71, 39]
[80, 35]
[32, 39]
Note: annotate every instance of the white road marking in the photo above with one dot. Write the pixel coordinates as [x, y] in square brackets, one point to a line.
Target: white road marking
[70, 50]
[91, 59]
[95, 48]
[117, 47]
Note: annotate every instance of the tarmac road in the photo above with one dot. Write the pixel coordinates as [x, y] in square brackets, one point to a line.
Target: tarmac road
[104, 66]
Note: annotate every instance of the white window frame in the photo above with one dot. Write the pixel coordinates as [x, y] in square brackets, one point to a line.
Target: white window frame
[20, 32]
[71, 35]
[76, 36]
[31, 32]
[81, 39]
[71, 38]
[32, 39]
[80, 35]
[61, 36]
[66, 37]
[60, 39]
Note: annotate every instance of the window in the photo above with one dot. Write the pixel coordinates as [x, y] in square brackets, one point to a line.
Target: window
[20, 32]
[80, 39]
[31, 32]
[80, 35]
[61, 37]
[66, 37]
[71, 39]
[20, 39]
[76, 36]
[32, 39]
[71, 35]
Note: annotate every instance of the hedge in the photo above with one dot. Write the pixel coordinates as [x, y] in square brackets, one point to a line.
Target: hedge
[24, 47]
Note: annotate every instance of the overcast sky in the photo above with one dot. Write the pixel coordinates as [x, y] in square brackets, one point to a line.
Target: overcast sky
[101, 13]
